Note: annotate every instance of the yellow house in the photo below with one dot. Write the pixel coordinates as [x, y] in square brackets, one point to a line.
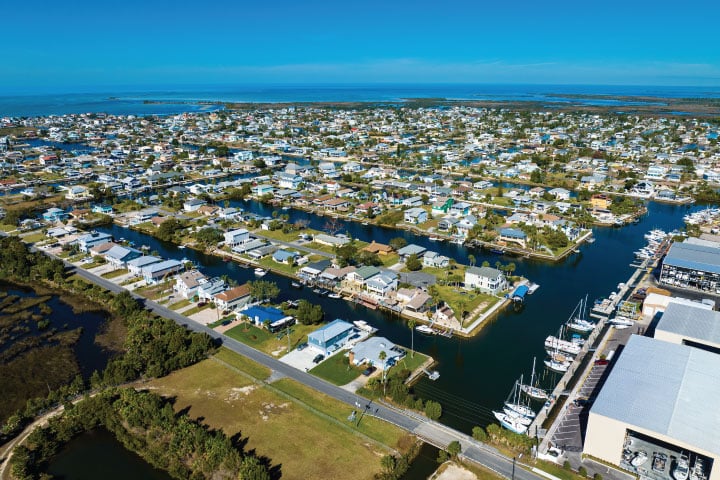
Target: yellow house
[600, 201]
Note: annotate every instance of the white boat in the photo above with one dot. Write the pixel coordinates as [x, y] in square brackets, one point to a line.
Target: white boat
[621, 322]
[181, 247]
[333, 295]
[531, 389]
[425, 329]
[639, 459]
[260, 272]
[515, 405]
[433, 239]
[510, 423]
[532, 287]
[521, 419]
[557, 366]
[578, 321]
[555, 343]
[698, 470]
[458, 241]
[682, 468]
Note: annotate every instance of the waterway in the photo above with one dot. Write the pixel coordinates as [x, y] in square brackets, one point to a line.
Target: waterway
[97, 454]
[476, 374]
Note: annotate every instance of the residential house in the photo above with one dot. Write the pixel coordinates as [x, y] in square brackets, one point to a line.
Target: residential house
[260, 315]
[560, 193]
[435, 260]
[331, 337]
[156, 272]
[187, 283]
[382, 284]
[118, 256]
[103, 209]
[486, 279]
[236, 237]
[368, 352]
[465, 225]
[193, 204]
[262, 189]
[55, 215]
[378, 248]
[363, 274]
[415, 215]
[89, 240]
[136, 265]
[285, 256]
[78, 192]
[207, 289]
[411, 249]
[600, 201]
[514, 235]
[447, 224]
[233, 298]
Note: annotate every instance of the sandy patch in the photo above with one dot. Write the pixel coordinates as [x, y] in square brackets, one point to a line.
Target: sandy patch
[237, 392]
[454, 472]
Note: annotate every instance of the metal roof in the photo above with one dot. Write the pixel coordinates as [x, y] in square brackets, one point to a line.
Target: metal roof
[665, 388]
[693, 322]
[694, 257]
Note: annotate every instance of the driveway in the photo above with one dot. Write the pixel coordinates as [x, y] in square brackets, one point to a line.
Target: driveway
[301, 359]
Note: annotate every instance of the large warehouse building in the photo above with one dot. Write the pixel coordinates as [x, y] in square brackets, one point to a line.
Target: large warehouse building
[659, 399]
[690, 324]
[689, 265]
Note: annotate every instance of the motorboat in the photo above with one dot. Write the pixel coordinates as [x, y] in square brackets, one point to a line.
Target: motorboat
[510, 423]
[659, 462]
[639, 459]
[260, 272]
[296, 285]
[621, 323]
[698, 470]
[682, 468]
[425, 329]
[333, 295]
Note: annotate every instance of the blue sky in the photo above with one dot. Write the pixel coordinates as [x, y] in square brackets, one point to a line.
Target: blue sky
[51, 45]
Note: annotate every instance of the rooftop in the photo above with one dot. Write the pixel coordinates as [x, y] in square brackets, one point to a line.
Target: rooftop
[695, 322]
[664, 388]
[694, 257]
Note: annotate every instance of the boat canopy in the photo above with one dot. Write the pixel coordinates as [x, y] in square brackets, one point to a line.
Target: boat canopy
[520, 292]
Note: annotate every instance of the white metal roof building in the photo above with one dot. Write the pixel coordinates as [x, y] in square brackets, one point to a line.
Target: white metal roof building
[661, 390]
[691, 265]
[689, 324]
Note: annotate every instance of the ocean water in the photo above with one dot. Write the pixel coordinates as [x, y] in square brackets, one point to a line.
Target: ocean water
[180, 99]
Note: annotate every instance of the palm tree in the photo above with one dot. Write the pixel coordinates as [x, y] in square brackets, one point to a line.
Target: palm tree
[411, 324]
[382, 356]
[471, 259]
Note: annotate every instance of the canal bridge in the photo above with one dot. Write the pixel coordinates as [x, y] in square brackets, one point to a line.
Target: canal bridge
[427, 430]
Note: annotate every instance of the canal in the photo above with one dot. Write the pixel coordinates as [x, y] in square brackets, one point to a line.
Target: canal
[476, 374]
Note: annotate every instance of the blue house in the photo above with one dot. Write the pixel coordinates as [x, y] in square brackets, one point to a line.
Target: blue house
[105, 209]
[330, 337]
[513, 235]
[55, 215]
[284, 256]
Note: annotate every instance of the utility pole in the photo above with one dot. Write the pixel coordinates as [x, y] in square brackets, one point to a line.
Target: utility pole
[513, 469]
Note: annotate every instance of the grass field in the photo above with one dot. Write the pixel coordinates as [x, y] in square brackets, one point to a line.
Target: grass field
[300, 442]
[178, 305]
[115, 273]
[195, 310]
[244, 364]
[268, 262]
[337, 370]
[34, 237]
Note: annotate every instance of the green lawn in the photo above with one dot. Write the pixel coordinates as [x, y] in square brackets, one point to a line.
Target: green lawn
[460, 299]
[268, 262]
[7, 228]
[271, 343]
[410, 363]
[115, 273]
[285, 237]
[389, 259]
[337, 370]
[34, 237]
[178, 305]
[195, 310]
[244, 364]
[318, 246]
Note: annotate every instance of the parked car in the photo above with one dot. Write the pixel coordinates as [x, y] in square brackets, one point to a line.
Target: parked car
[602, 361]
[318, 358]
[368, 371]
[301, 346]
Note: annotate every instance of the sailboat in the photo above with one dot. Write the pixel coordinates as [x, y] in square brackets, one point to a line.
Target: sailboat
[531, 389]
[515, 406]
[557, 343]
[510, 423]
[578, 322]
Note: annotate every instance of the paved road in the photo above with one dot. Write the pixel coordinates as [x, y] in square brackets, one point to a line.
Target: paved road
[431, 432]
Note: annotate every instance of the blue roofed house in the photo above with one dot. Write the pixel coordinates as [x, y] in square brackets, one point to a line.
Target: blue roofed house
[465, 225]
[513, 235]
[55, 214]
[415, 215]
[331, 337]
[118, 256]
[258, 314]
[210, 287]
[135, 266]
[435, 260]
[156, 272]
[89, 240]
[285, 256]
[103, 209]
[236, 237]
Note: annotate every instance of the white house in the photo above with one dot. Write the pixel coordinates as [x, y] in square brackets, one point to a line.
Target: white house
[186, 284]
[191, 205]
[233, 298]
[236, 237]
[486, 279]
[415, 215]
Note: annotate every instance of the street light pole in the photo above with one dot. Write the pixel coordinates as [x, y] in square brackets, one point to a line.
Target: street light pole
[513, 469]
